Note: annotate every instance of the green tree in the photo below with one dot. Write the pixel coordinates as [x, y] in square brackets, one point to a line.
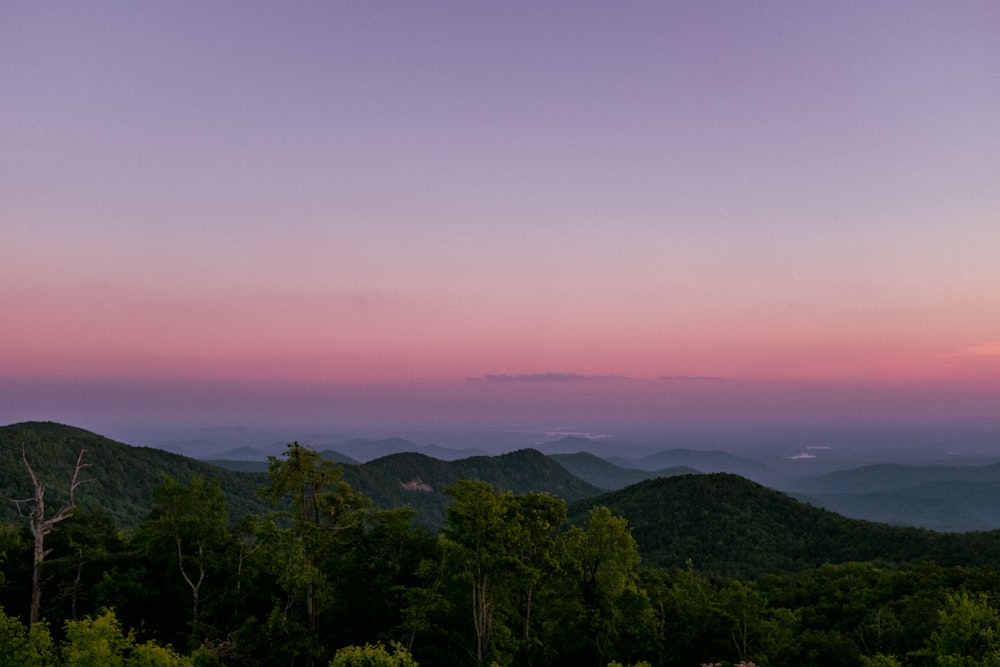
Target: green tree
[968, 633]
[20, 647]
[191, 518]
[96, 642]
[534, 519]
[321, 509]
[380, 566]
[88, 545]
[150, 654]
[691, 619]
[602, 563]
[100, 641]
[476, 536]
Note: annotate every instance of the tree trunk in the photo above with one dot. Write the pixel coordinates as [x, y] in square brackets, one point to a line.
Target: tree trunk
[40, 527]
[194, 585]
[36, 576]
[482, 615]
[76, 582]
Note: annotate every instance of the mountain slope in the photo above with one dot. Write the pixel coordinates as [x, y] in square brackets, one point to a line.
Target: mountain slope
[730, 525]
[369, 450]
[119, 478]
[420, 481]
[600, 447]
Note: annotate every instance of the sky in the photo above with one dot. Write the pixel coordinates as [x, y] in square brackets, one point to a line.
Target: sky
[551, 211]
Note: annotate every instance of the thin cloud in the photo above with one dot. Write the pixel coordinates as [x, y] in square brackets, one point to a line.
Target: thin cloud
[548, 377]
[688, 378]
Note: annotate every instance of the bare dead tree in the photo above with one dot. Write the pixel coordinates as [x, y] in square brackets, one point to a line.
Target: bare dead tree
[42, 525]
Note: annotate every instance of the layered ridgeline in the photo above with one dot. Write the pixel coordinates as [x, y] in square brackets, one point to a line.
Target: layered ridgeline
[420, 481]
[720, 522]
[119, 478]
[610, 477]
[941, 497]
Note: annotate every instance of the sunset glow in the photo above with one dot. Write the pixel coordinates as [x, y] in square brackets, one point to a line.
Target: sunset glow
[402, 203]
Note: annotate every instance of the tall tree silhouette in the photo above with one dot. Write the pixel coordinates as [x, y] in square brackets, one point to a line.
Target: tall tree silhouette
[41, 525]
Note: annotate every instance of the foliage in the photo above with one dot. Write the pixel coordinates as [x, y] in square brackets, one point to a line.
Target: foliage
[100, 641]
[322, 513]
[968, 633]
[376, 655]
[421, 482]
[20, 647]
[188, 526]
[880, 660]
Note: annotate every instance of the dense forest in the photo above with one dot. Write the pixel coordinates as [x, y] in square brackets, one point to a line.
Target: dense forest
[302, 566]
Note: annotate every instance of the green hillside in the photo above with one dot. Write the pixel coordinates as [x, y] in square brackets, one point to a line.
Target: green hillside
[721, 522]
[419, 480]
[119, 478]
[729, 525]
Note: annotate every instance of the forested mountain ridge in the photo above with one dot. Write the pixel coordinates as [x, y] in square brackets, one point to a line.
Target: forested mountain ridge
[118, 478]
[727, 524]
[721, 522]
[420, 481]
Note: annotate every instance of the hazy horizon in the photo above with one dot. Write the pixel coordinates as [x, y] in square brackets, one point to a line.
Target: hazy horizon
[499, 415]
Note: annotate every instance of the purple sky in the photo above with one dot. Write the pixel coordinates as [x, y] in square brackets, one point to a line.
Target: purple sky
[207, 201]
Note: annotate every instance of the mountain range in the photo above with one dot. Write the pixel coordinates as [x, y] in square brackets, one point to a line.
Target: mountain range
[717, 519]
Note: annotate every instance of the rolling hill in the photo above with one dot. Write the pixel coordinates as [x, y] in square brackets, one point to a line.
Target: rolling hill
[721, 522]
[120, 477]
[730, 525]
[420, 481]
